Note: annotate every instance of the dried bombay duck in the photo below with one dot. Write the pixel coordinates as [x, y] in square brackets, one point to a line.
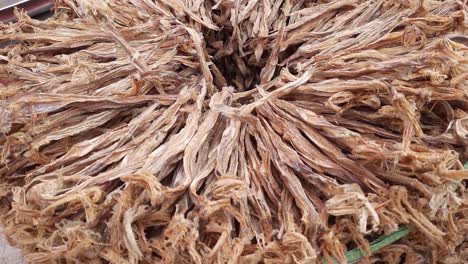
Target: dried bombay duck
[242, 131]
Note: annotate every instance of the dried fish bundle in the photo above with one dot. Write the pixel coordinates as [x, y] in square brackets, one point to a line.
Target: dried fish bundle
[244, 131]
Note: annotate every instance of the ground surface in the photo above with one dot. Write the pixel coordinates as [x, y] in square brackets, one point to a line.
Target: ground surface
[8, 254]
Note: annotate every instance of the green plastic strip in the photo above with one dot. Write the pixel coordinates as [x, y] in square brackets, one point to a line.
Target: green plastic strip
[352, 256]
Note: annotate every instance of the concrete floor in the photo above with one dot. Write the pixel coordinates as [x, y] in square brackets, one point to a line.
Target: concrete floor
[9, 3]
[8, 254]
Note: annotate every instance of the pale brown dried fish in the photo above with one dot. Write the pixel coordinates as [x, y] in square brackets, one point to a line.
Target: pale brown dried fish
[240, 131]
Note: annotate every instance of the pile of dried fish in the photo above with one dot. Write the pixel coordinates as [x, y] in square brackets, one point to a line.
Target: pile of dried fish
[236, 131]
